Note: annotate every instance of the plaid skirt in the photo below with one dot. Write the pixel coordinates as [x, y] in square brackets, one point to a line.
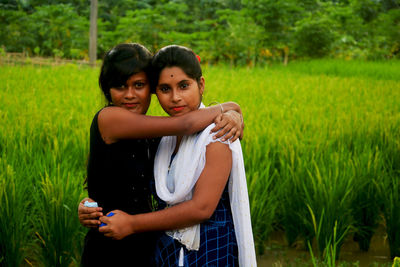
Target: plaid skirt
[218, 246]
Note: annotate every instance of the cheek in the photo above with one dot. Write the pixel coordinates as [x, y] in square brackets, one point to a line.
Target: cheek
[163, 100]
[196, 98]
[114, 96]
[144, 94]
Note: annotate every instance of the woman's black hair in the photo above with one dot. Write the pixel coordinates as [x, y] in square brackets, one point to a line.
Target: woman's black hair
[120, 63]
[176, 56]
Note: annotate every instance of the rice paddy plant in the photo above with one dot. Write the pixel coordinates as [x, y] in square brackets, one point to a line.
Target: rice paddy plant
[389, 193]
[263, 191]
[321, 139]
[367, 70]
[367, 215]
[15, 225]
[43, 137]
[330, 252]
[328, 195]
[392, 218]
[57, 226]
[293, 206]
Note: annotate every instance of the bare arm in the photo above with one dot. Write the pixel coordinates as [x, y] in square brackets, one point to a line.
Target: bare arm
[207, 194]
[116, 123]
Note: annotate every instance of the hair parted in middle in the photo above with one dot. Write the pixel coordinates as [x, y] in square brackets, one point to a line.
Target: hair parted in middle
[176, 56]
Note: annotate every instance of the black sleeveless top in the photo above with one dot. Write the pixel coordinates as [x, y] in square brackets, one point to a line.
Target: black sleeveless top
[119, 176]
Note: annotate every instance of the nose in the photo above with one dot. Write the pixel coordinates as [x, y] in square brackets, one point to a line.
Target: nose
[176, 97]
[130, 92]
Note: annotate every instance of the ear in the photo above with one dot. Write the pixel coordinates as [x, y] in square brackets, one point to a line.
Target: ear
[201, 85]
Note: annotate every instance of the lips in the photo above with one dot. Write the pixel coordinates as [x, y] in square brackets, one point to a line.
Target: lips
[130, 105]
[178, 108]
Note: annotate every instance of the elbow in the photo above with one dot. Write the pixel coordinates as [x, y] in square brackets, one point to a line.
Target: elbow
[188, 126]
[204, 212]
[203, 216]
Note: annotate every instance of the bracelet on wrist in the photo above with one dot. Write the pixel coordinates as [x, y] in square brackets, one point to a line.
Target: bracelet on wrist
[220, 105]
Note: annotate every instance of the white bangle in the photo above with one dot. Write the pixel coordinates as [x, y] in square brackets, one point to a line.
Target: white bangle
[220, 105]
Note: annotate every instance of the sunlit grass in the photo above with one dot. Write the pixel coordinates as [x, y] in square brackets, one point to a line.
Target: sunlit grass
[321, 149]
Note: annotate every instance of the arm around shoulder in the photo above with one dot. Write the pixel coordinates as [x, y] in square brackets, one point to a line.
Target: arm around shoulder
[117, 123]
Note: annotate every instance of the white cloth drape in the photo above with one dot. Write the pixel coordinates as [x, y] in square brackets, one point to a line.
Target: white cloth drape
[175, 183]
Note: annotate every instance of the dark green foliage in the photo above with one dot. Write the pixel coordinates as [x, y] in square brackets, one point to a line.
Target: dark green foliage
[232, 31]
[313, 38]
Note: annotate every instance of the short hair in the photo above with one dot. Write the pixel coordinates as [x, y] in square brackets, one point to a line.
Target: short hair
[121, 62]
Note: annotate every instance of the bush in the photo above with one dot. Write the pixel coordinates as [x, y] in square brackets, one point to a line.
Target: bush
[313, 38]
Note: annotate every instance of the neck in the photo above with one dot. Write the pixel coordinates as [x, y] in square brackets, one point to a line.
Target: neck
[179, 137]
[178, 142]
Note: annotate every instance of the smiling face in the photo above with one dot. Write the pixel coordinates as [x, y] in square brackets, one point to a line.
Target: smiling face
[134, 95]
[177, 93]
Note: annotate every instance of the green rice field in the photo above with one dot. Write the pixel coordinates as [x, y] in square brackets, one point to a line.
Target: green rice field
[321, 149]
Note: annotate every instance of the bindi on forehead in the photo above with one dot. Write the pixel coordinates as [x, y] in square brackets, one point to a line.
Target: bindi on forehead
[172, 75]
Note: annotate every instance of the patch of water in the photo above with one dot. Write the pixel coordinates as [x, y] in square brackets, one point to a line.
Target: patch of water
[278, 254]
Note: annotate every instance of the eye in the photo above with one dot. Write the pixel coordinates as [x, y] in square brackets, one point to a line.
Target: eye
[139, 85]
[164, 89]
[184, 85]
[121, 87]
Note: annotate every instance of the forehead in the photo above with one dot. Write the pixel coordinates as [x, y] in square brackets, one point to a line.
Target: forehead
[138, 76]
[173, 74]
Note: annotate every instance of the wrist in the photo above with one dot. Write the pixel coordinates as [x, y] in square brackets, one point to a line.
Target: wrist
[219, 104]
[132, 228]
[230, 106]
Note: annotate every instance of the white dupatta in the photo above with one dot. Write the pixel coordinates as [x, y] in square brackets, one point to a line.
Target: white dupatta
[175, 183]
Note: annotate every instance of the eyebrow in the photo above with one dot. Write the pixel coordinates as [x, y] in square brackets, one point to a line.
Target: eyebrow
[184, 81]
[140, 79]
[163, 84]
[167, 84]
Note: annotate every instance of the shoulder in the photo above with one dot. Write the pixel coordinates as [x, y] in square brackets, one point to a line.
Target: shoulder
[107, 112]
[206, 133]
[114, 115]
[95, 119]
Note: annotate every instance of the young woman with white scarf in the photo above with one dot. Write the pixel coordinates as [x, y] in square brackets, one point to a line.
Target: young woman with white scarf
[200, 178]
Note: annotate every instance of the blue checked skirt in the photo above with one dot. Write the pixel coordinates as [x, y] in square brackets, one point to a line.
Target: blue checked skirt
[218, 245]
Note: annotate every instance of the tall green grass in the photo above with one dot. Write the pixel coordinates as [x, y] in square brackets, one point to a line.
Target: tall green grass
[15, 226]
[321, 149]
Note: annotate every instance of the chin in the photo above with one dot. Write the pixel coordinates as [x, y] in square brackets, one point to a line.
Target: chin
[176, 114]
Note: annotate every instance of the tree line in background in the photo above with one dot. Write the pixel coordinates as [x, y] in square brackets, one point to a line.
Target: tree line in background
[239, 32]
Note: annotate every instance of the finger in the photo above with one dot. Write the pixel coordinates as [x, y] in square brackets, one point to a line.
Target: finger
[222, 123]
[229, 134]
[225, 127]
[228, 126]
[84, 200]
[92, 215]
[105, 219]
[83, 209]
[235, 137]
[104, 229]
[91, 223]
[220, 133]
[87, 210]
[216, 121]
